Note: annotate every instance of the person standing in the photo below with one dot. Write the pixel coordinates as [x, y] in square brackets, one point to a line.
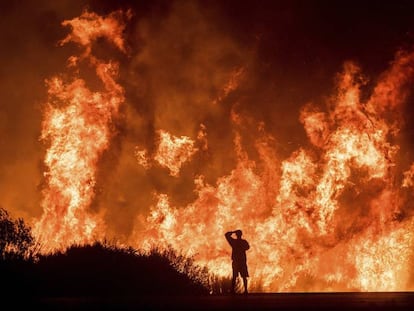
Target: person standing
[239, 260]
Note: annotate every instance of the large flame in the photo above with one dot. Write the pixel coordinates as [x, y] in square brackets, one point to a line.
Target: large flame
[76, 127]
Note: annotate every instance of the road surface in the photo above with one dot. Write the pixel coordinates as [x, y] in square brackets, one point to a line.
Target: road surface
[255, 301]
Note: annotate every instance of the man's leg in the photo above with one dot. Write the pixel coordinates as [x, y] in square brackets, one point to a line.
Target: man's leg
[233, 280]
[245, 284]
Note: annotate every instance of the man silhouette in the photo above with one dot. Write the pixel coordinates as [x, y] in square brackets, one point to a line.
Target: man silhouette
[238, 255]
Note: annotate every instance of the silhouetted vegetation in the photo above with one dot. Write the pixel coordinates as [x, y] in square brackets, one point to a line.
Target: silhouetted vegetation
[16, 240]
[98, 270]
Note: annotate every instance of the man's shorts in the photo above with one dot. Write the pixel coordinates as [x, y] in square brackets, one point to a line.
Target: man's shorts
[240, 268]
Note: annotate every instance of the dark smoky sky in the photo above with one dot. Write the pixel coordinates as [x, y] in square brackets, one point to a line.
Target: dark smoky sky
[180, 55]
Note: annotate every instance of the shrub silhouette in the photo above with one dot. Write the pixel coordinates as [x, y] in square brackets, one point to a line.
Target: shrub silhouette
[99, 270]
[16, 239]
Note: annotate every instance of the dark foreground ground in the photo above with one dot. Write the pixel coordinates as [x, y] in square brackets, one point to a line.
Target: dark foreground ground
[255, 301]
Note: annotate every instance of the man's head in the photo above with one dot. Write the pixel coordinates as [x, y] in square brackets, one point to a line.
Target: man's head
[238, 233]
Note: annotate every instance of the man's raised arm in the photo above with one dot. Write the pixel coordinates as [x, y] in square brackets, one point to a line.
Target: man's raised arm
[228, 236]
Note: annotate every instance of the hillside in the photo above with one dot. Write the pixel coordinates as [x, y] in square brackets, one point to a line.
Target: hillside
[98, 270]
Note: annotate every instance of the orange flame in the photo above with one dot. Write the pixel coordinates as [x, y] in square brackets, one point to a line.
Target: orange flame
[232, 84]
[76, 127]
[172, 151]
[409, 177]
[326, 218]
